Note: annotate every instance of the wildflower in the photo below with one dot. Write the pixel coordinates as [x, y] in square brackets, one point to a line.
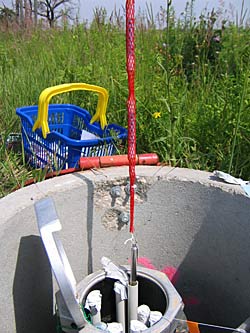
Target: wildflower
[216, 39]
[156, 115]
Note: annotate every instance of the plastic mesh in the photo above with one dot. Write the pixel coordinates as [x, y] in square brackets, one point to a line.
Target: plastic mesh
[131, 103]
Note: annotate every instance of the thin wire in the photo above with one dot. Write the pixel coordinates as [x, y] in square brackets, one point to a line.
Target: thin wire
[132, 239]
[241, 330]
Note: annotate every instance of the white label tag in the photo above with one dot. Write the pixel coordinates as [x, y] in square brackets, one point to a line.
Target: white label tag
[87, 135]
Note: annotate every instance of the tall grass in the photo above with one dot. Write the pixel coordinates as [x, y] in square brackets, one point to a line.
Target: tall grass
[192, 85]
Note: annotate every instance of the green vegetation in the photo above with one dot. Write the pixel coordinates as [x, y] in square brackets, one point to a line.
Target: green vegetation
[192, 86]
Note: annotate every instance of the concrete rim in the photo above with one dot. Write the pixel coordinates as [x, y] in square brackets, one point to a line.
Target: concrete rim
[26, 196]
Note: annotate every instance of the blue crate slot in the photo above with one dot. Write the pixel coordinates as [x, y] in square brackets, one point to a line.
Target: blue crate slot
[63, 146]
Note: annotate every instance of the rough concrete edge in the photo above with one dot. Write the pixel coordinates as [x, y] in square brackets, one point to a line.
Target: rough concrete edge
[202, 177]
[27, 196]
[165, 173]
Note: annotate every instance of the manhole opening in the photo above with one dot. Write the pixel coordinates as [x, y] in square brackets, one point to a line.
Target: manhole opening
[150, 293]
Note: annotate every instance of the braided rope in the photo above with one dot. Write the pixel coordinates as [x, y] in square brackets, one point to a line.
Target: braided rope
[131, 103]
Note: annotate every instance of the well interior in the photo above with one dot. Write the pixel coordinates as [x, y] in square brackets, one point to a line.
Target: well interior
[188, 224]
[150, 293]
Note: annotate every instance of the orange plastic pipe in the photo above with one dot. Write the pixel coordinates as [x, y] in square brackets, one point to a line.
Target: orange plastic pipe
[86, 163]
[116, 160]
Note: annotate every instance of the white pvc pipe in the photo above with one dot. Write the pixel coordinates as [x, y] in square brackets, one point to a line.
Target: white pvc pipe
[132, 302]
[93, 304]
[120, 297]
[95, 316]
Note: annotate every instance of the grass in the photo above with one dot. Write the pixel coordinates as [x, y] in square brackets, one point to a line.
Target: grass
[192, 86]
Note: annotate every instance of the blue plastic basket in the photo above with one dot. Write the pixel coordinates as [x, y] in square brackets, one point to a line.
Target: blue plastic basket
[63, 146]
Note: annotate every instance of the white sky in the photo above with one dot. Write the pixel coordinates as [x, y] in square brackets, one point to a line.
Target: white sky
[87, 6]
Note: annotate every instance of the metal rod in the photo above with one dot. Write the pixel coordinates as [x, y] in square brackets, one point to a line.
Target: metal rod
[133, 285]
[134, 256]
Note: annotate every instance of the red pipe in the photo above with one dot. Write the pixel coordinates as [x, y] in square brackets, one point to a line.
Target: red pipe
[116, 160]
[86, 163]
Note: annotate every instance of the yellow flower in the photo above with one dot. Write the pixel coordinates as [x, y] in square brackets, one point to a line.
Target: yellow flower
[156, 115]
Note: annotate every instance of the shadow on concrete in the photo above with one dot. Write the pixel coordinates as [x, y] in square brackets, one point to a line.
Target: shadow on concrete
[90, 209]
[32, 288]
[214, 276]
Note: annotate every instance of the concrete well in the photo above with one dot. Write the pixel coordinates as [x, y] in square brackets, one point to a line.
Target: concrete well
[187, 223]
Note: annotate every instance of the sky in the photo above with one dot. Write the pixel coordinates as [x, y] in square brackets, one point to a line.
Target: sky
[87, 6]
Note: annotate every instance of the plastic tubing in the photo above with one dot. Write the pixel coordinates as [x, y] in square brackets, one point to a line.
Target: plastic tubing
[86, 163]
[116, 160]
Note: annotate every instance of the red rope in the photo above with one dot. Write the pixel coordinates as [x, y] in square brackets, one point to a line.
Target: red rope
[131, 104]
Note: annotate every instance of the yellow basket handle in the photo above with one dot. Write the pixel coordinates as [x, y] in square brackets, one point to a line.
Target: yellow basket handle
[48, 93]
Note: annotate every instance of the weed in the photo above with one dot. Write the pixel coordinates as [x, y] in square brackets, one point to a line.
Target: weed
[192, 84]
